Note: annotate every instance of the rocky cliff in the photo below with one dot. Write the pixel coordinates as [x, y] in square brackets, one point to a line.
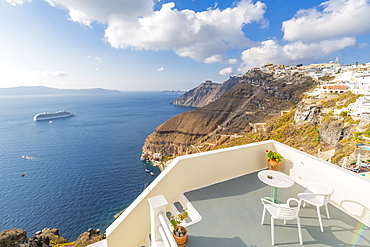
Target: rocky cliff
[312, 126]
[48, 237]
[250, 103]
[339, 133]
[320, 111]
[205, 93]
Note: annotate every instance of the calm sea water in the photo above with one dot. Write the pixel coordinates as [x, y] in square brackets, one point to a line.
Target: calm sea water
[82, 170]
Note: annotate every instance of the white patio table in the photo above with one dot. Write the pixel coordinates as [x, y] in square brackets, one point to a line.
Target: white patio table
[276, 180]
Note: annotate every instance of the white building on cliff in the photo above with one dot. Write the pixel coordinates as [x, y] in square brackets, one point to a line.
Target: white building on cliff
[360, 108]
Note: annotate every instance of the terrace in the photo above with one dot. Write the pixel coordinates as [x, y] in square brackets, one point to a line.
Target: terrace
[231, 216]
[222, 193]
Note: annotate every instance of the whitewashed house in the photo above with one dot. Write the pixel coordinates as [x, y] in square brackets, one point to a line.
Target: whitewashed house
[363, 82]
[360, 108]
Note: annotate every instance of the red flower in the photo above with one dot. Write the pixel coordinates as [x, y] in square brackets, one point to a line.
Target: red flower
[267, 151]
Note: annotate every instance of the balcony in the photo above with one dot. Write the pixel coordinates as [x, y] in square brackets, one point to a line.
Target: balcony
[231, 216]
[223, 188]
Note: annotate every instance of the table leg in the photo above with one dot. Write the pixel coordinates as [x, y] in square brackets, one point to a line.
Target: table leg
[274, 194]
[273, 198]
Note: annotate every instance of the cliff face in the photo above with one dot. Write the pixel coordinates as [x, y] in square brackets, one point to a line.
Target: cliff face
[332, 128]
[205, 93]
[308, 110]
[47, 237]
[253, 100]
[334, 131]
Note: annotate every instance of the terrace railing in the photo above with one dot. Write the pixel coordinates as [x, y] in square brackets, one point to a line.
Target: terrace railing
[161, 234]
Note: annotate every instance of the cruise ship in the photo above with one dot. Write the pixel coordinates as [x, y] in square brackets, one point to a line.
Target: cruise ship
[222, 193]
[50, 116]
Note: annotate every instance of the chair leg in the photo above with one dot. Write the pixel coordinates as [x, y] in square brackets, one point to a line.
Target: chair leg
[263, 215]
[299, 231]
[319, 216]
[327, 211]
[272, 231]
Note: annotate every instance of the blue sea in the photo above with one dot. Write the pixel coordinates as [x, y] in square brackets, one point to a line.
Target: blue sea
[81, 170]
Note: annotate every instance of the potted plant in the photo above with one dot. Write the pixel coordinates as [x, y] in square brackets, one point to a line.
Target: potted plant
[179, 232]
[274, 160]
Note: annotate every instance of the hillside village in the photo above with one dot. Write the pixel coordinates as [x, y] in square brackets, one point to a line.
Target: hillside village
[331, 121]
[338, 79]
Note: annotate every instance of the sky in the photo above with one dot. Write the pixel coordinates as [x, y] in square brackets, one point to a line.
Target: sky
[136, 45]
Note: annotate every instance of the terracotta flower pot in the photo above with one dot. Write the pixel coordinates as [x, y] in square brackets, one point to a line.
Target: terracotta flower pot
[273, 165]
[181, 241]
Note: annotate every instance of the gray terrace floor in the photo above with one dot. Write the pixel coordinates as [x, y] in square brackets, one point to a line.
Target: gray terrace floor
[231, 216]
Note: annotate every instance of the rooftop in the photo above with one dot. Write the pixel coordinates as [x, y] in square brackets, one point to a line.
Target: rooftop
[231, 216]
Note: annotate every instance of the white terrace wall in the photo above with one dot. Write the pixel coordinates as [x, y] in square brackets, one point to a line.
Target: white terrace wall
[198, 170]
[350, 189]
[185, 173]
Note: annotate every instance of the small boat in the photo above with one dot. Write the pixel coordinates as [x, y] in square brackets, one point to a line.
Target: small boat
[152, 173]
[147, 170]
[27, 157]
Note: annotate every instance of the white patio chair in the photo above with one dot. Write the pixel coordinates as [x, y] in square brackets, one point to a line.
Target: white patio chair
[318, 195]
[282, 212]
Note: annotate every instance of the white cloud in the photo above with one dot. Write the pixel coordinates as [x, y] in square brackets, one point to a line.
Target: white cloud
[94, 58]
[363, 45]
[98, 59]
[203, 36]
[232, 61]
[213, 59]
[297, 52]
[87, 11]
[313, 34]
[51, 73]
[160, 69]
[17, 2]
[226, 71]
[338, 18]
